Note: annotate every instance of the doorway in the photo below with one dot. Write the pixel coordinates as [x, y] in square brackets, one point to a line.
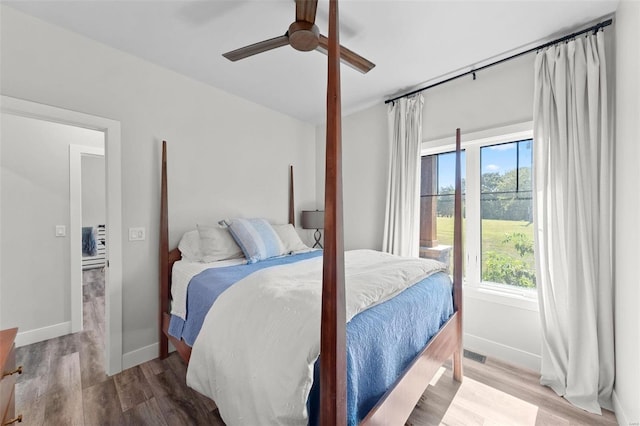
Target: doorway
[87, 209]
[110, 130]
[87, 219]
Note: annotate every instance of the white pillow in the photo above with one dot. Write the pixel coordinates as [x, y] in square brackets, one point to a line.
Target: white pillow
[290, 238]
[216, 243]
[189, 246]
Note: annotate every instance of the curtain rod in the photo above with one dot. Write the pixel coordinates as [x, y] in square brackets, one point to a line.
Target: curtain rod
[593, 28]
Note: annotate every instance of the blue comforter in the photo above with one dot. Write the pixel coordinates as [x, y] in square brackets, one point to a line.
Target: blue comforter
[379, 347]
[384, 339]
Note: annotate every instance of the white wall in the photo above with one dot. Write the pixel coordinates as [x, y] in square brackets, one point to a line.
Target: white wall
[365, 171]
[627, 230]
[501, 95]
[93, 190]
[35, 275]
[227, 156]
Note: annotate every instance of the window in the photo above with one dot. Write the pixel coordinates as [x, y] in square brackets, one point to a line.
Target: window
[497, 208]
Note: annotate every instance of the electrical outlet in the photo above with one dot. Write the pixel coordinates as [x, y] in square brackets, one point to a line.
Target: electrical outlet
[137, 234]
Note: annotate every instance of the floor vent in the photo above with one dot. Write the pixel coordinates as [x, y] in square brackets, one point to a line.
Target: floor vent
[474, 356]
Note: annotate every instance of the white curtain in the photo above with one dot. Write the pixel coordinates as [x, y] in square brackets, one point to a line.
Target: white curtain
[402, 218]
[573, 213]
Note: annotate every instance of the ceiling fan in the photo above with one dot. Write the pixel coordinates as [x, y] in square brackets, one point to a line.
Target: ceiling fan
[303, 35]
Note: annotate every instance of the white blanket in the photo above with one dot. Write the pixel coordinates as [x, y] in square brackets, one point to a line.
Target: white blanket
[181, 275]
[255, 352]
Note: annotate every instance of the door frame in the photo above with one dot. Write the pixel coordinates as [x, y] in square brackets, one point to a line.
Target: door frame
[113, 191]
[76, 152]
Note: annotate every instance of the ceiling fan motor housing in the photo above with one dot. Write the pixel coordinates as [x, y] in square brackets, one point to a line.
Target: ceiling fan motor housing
[304, 36]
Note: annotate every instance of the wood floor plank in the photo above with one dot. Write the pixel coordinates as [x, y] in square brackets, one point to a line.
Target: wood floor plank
[96, 289]
[545, 418]
[207, 403]
[32, 411]
[435, 402]
[523, 384]
[133, 388]
[177, 365]
[145, 413]
[88, 318]
[177, 402]
[31, 389]
[64, 393]
[178, 411]
[64, 345]
[65, 373]
[102, 405]
[153, 367]
[86, 293]
[161, 383]
[34, 359]
[92, 359]
[463, 416]
[31, 399]
[481, 404]
[98, 313]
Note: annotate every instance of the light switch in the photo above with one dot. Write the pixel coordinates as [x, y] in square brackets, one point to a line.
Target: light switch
[137, 234]
[61, 230]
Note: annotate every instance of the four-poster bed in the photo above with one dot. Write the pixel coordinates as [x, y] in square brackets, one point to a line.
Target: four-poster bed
[399, 400]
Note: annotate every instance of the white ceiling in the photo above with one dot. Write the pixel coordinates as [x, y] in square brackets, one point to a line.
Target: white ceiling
[411, 42]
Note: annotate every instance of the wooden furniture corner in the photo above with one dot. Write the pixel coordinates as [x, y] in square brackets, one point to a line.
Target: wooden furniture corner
[8, 381]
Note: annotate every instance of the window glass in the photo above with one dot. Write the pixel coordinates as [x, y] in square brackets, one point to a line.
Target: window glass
[507, 214]
[437, 191]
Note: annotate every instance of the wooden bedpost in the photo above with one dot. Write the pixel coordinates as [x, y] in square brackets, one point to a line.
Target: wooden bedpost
[457, 263]
[164, 255]
[333, 370]
[292, 213]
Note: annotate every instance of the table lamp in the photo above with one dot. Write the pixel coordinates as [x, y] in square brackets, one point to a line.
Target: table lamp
[314, 219]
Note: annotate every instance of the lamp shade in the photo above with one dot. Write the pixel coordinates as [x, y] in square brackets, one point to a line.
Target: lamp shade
[312, 219]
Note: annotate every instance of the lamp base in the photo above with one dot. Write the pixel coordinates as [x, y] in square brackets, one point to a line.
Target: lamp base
[316, 236]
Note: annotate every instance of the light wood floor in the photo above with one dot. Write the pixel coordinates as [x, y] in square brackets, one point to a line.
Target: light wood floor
[64, 384]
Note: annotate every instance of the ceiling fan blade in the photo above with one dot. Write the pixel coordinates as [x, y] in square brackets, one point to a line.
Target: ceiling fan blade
[254, 49]
[306, 10]
[347, 56]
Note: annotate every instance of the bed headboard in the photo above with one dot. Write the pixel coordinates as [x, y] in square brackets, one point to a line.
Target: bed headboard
[168, 257]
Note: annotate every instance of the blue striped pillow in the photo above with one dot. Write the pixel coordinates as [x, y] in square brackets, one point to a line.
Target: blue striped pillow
[256, 238]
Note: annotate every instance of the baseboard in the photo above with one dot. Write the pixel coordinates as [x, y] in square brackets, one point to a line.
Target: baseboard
[621, 417]
[502, 352]
[28, 337]
[140, 356]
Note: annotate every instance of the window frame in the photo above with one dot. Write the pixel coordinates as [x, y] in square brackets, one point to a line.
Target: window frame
[471, 143]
